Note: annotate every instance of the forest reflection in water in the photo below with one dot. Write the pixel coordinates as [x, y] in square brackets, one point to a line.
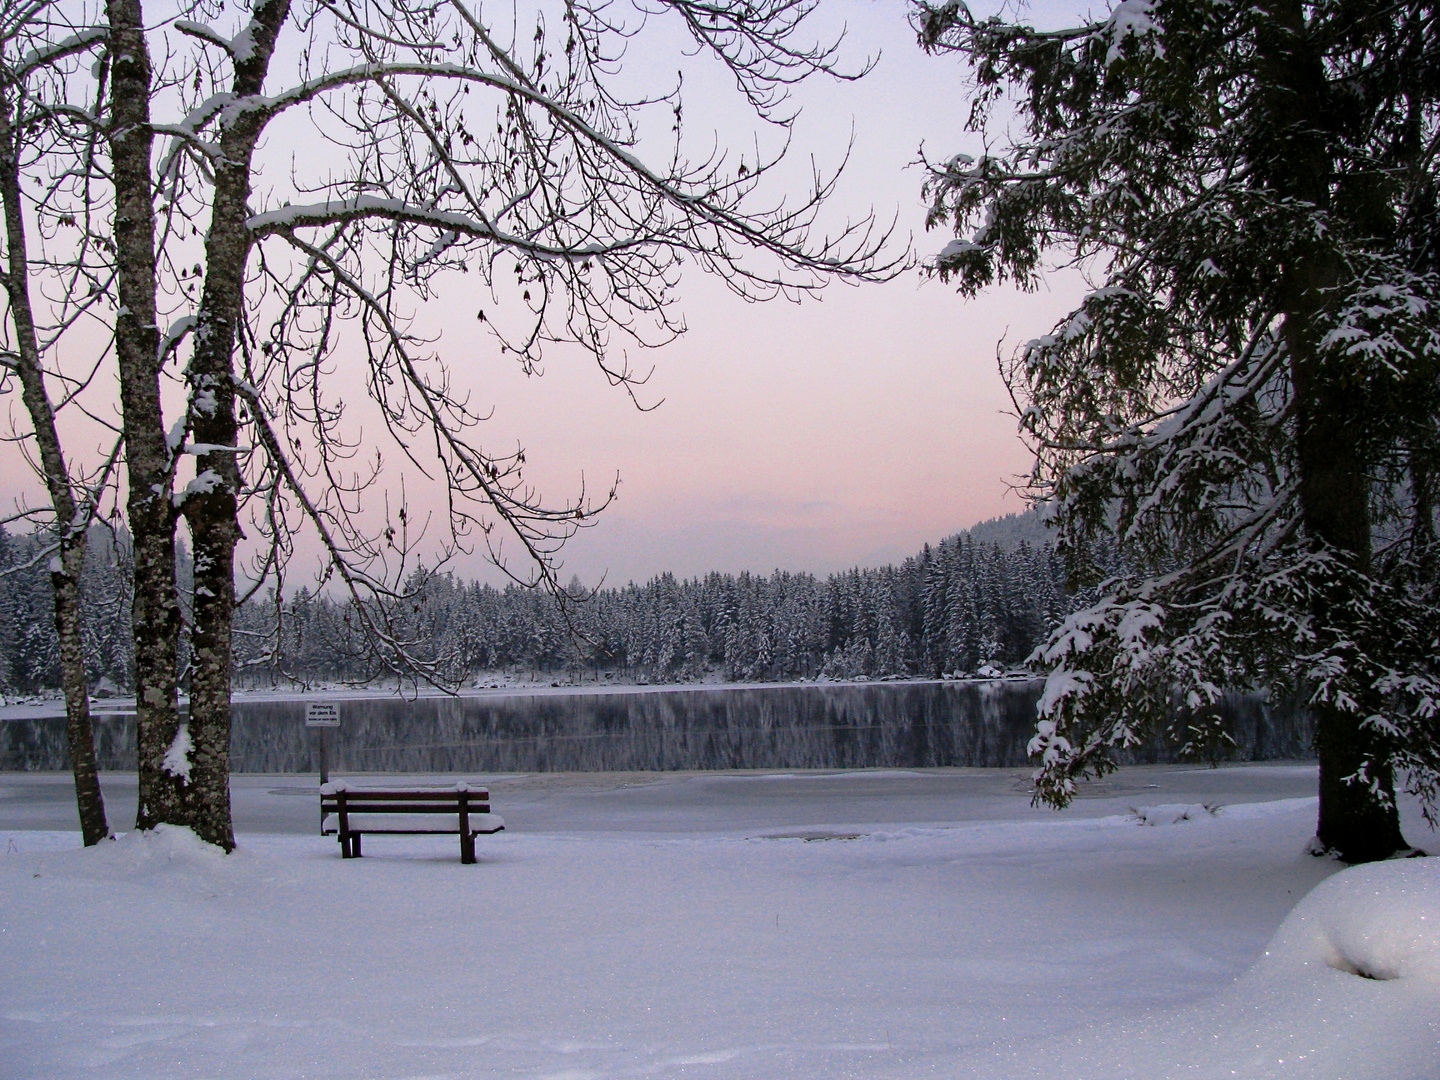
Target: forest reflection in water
[808, 726]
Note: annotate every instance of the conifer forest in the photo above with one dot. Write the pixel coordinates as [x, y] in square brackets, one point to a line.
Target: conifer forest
[980, 599]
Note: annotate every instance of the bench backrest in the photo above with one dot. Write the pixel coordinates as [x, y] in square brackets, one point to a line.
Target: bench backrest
[337, 800]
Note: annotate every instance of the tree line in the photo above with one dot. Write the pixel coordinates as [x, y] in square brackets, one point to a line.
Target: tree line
[29, 644]
[959, 607]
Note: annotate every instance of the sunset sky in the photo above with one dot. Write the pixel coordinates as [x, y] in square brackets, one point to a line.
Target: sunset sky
[840, 431]
[845, 430]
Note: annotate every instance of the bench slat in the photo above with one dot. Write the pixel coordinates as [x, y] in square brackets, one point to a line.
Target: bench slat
[397, 795]
[404, 823]
[336, 786]
[365, 806]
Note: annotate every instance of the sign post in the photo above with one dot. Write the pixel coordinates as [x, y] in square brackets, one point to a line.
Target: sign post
[323, 715]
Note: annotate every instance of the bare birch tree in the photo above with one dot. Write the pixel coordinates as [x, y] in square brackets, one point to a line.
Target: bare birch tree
[459, 154]
[449, 144]
[38, 49]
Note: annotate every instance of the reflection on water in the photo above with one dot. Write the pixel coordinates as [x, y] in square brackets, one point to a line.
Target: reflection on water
[893, 725]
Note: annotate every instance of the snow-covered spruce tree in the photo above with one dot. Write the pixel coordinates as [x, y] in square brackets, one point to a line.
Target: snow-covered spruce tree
[1247, 401]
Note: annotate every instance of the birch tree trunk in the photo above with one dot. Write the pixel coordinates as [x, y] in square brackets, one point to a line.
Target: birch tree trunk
[211, 507]
[155, 611]
[71, 521]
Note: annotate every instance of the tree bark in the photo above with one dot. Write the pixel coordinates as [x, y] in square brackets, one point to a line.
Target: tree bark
[155, 610]
[1358, 820]
[71, 522]
[211, 509]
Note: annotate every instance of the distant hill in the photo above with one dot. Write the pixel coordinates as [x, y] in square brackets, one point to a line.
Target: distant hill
[1011, 530]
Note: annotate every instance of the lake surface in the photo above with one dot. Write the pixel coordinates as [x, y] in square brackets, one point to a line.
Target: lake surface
[836, 726]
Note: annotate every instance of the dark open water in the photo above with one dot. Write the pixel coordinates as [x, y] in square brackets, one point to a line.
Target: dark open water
[890, 725]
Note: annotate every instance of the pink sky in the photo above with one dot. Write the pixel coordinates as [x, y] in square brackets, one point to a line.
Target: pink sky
[814, 437]
[841, 431]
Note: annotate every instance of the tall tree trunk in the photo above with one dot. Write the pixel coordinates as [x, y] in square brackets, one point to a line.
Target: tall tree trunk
[1358, 818]
[211, 509]
[79, 731]
[214, 530]
[71, 522]
[155, 610]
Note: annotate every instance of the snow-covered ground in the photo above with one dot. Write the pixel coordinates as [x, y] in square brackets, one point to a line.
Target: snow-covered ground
[875, 925]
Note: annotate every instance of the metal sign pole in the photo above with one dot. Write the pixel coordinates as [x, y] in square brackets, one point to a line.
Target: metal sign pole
[324, 772]
[323, 715]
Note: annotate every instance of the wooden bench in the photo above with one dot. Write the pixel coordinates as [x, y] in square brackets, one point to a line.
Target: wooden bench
[350, 812]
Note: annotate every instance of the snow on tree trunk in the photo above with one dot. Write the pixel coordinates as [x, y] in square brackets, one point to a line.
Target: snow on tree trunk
[1360, 821]
[210, 506]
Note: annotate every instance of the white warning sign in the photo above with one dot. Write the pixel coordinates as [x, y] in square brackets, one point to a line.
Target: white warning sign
[322, 714]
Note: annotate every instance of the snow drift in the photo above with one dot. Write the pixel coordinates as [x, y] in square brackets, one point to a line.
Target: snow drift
[1348, 988]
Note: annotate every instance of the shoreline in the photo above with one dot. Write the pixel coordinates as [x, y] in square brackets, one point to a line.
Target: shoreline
[115, 707]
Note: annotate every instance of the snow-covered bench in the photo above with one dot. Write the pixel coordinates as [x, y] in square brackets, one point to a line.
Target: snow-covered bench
[350, 812]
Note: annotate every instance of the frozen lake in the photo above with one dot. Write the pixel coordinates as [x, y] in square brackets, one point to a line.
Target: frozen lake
[986, 723]
[704, 802]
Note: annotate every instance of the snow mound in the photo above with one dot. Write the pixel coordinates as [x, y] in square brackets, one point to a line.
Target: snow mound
[169, 855]
[1380, 921]
[164, 845]
[1349, 987]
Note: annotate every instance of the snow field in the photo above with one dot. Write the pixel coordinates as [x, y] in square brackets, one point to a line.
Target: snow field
[1349, 987]
[1083, 948]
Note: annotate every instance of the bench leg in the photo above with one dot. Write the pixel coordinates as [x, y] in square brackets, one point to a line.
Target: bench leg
[355, 844]
[467, 848]
[344, 846]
